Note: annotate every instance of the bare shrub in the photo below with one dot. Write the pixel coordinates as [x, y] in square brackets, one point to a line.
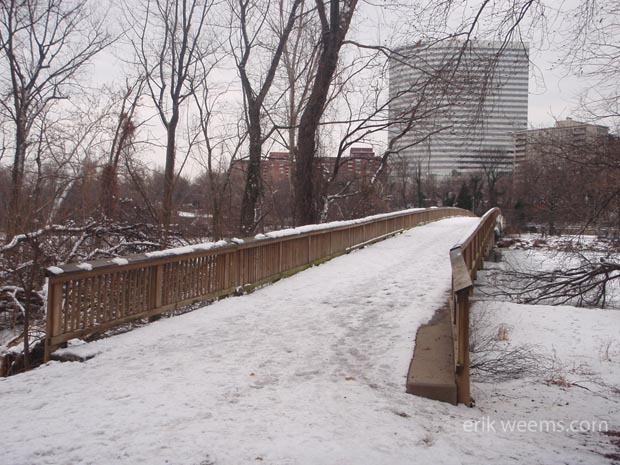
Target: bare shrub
[494, 358]
[503, 333]
[580, 275]
[609, 348]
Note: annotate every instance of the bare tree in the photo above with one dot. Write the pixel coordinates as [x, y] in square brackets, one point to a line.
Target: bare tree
[44, 46]
[299, 59]
[436, 91]
[252, 17]
[476, 185]
[216, 152]
[402, 177]
[590, 39]
[170, 38]
[335, 17]
[496, 164]
[590, 198]
[124, 136]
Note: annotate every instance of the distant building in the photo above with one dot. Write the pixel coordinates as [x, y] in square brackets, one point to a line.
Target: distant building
[465, 101]
[276, 168]
[360, 164]
[566, 134]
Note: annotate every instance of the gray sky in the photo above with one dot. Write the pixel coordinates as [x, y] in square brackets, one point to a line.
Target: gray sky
[554, 92]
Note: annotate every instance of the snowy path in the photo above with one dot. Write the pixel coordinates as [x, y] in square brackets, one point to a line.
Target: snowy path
[309, 370]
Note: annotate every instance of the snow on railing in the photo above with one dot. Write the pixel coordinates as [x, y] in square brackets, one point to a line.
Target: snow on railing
[87, 298]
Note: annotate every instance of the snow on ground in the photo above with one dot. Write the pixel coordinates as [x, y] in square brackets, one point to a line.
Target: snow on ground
[310, 370]
[574, 399]
[571, 404]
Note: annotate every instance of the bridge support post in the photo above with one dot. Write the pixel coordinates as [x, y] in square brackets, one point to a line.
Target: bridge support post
[462, 364]
[54, 314]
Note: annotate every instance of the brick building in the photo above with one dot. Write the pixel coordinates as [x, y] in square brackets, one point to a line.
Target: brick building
[360, 164]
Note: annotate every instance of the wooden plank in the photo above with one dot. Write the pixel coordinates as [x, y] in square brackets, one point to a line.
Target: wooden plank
[54, 318]
[462, 372]
[155, 288]
[91, 293]
[73, 307]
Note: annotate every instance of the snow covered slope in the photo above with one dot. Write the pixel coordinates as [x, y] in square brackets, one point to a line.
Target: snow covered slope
[310, 370]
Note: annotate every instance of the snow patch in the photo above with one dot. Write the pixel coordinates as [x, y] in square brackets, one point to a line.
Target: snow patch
[187, 249]
[187, 214]
[209, 245]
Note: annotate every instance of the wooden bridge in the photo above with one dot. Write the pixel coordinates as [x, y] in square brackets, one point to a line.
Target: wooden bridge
[89, 298]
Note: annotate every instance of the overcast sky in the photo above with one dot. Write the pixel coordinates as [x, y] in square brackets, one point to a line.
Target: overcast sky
[553, 91]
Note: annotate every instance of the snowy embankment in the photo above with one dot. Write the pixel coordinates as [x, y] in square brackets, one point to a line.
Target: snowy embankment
[565, 405]
[310, 370]
[569, 411]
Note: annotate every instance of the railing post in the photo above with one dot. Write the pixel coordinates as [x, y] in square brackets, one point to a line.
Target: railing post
[280, 257]
[227, 266]
[242, 267]
[462, 367]
[238, 270]
[331, 242]
[461, 286]
[157, 282]
[54, 320]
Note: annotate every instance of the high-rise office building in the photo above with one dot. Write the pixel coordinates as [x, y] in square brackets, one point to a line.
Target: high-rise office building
[454, 105]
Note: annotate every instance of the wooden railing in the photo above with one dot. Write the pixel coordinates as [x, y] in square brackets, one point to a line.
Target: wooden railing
[88, 298]
[467, 258]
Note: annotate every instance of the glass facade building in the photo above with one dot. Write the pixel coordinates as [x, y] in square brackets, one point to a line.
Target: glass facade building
[455, 105]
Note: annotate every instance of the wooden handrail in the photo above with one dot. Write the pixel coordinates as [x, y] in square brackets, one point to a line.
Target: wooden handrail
[466, 258]
[88, 298]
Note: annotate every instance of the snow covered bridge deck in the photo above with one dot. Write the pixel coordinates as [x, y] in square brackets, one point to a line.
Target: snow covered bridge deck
[309, 370]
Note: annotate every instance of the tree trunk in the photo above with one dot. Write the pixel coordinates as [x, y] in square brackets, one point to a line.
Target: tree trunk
[108, 192]
[306, 211]
[335, 24]
[166, 213]
[14, 220]
[253, 185]
[216, 207]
